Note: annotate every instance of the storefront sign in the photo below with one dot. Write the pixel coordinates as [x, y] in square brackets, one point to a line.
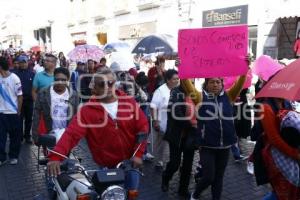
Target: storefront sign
[225, 16]
[137, 30]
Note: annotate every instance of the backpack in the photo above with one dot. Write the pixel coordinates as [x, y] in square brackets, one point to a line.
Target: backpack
[260, 170]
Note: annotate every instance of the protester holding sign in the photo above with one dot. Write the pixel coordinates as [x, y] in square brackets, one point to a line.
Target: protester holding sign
[216, 127]
[212, 52]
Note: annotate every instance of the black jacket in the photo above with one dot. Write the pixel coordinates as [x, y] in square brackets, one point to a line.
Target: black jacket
[26, 76]
[176, 124]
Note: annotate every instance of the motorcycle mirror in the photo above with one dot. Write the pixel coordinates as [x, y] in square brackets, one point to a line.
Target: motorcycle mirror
[47, 141]
[141, 137]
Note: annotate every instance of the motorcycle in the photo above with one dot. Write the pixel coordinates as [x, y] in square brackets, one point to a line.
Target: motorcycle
[77, 183]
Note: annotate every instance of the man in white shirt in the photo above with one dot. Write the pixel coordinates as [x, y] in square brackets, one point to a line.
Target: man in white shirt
[159, 112]
[10, 110]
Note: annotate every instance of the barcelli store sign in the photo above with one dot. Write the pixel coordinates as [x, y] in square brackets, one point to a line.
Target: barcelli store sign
[225, 16]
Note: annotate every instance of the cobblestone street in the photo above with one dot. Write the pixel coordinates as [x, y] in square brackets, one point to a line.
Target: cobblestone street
[24, 181]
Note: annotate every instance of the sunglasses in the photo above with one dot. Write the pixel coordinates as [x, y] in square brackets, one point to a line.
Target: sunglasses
[102, 84]
[52, 61]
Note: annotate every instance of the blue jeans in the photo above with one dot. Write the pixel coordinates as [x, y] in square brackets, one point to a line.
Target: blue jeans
[270, 196]
[10, 124]
[132, 180]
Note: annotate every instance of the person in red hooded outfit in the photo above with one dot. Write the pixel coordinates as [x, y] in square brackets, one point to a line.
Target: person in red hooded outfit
[111, 122]
[281, 154]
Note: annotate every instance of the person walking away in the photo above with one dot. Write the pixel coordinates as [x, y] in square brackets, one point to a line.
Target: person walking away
[45, 78]
[181, 132]
[26, 76]
[158, 107]
[10, 110]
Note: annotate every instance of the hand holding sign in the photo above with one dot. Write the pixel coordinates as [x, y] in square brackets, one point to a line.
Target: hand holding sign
[213, 52]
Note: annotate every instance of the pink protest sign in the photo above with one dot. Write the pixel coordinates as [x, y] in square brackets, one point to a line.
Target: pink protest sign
[265, 67]
[229, 81]
[213, 52]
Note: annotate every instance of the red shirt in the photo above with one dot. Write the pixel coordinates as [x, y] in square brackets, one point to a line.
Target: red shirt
[152, 77]
[112, 142]
[297, 47]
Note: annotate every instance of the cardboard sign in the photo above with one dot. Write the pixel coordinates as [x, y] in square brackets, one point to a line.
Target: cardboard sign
[213, 52]
[229, 81]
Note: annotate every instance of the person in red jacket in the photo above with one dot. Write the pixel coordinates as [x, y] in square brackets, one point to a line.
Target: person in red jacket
[281, 153]
[156, 75]
[110, 122]
[297, 45]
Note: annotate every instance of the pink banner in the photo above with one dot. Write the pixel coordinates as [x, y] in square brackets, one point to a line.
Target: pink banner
[229, 81]
[265, 67]
[213, 52]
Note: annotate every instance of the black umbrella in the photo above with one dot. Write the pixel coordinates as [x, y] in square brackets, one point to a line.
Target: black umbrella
[155, 44]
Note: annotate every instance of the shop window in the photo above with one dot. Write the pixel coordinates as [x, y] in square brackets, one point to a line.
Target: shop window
[102, 38]
[252, 40]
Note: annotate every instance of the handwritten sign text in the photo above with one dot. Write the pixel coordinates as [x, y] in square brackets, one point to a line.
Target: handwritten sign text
[213, 52]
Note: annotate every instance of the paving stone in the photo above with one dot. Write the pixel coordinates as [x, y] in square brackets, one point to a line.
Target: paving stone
[24, 181]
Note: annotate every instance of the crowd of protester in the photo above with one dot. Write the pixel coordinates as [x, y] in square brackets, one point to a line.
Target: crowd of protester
[38, 87]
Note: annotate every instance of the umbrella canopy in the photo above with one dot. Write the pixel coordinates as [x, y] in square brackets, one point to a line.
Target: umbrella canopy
[123, 59]
[82, 53]
[156, 43]
[151, 56]
[116, 46]
[285, 84]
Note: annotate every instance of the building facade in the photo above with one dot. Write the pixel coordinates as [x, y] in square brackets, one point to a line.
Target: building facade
[59, 25]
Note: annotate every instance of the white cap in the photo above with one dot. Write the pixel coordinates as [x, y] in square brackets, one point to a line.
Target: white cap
[115, 67]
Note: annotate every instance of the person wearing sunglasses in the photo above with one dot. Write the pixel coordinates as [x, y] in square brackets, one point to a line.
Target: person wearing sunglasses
[111, 122]
[56, 104]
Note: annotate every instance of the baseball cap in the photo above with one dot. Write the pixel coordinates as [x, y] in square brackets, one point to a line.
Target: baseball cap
[22, 58]
[115, 67]
[291, 120]
[80, 63]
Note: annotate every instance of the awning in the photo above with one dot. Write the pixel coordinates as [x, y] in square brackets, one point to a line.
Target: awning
[288, 20]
